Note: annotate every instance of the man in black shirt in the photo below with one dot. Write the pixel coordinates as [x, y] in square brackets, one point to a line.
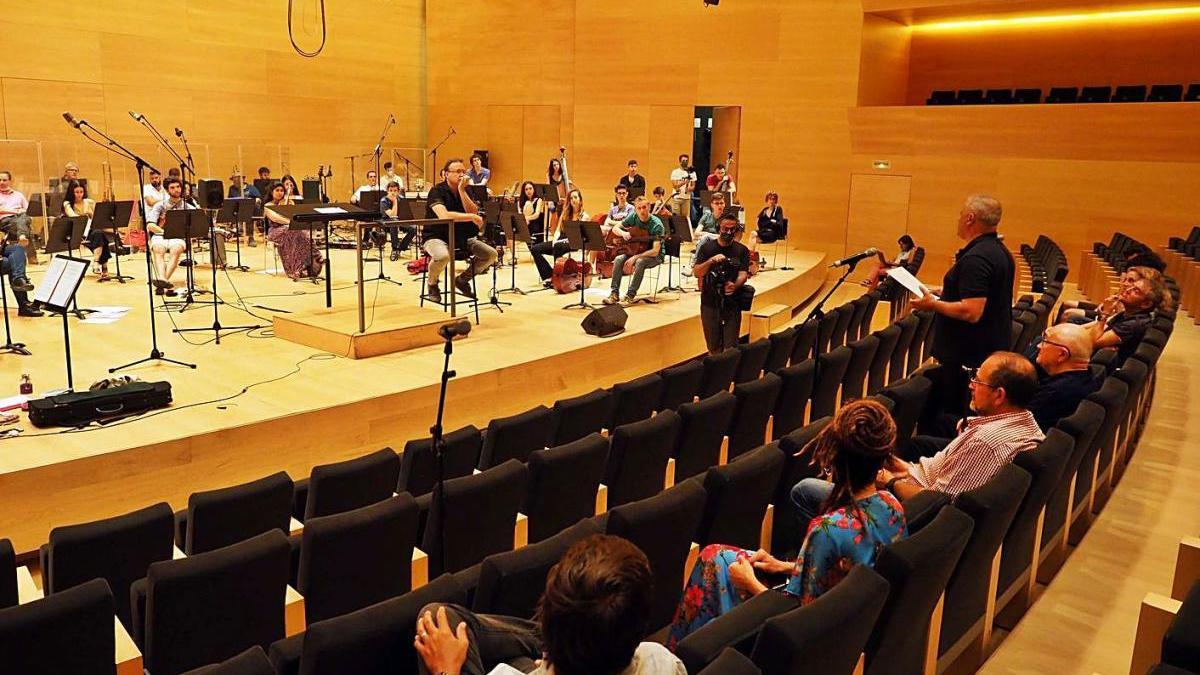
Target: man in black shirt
[448, 200]
[722, 267]
[1064, 377]
[633, 180]
[973, 307]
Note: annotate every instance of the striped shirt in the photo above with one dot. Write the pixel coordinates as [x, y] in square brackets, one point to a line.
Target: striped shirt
[978, 453]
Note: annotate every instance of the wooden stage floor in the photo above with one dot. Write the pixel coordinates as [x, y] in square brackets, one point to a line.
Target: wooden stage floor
[258, 404]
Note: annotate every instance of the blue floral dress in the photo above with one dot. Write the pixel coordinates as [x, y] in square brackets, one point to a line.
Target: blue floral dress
[835, 543]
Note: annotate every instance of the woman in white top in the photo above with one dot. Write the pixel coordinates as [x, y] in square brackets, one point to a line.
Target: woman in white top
[534, 209]
[907, 247]
[78, 204]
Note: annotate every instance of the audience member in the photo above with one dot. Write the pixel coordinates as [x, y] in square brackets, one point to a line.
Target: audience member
[907, 248]
[1062, 356]
[1138, 303]
[856, 519]
[1081, 311]
[590, 621]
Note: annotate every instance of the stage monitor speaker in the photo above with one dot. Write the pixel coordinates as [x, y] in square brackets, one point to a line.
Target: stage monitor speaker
[605, 321]
[210, 193]
[483, 156]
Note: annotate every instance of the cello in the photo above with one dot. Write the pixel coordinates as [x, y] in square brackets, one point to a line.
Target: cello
[569, 274]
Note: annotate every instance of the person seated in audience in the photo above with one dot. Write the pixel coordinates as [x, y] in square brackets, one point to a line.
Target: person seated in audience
[1001, 390]
[855, 519]
[166, 252]
[1061, 356]
[1081, 311]
[15, 223]
[591, 619]
[1136, 309]
[77, 204]
[907, 248]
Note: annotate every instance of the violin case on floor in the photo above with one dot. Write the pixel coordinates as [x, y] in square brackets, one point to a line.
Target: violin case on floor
[75, 409]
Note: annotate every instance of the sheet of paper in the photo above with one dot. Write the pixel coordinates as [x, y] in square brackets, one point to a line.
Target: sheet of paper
[53, 275]
[102, 318]
[13, 402]
[110, 309]
[329, 209]
[907, 280]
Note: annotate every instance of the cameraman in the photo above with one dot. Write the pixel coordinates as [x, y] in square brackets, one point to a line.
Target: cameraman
[722, 267]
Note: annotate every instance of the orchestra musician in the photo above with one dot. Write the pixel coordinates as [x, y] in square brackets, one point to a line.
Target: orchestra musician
[683, 180]
[771, 216]
[390, 176]
[291, 188]
[389, 206]
[296, 251]
[77, 204]
[533, 209]
[636, 264]
[708, 225]
[15, 223]
[557, 245]
[166, 252]
[720, 181]
[371, 184]
[479, 174]
[662, 207]
[448, 200]
[631, 179]
[621, 209]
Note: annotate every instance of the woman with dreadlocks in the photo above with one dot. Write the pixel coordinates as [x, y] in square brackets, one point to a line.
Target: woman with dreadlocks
[856, 521]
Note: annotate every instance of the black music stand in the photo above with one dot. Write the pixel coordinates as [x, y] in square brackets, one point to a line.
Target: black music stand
[676, 228]
[783, 231]
[583, 236]
[216, 327]
[635, 192]
[263, 186]
[516, 228]
[478, 193]
[65, 236]
[109, 217]
[239, 213]
[187, 224]
[9, 346]
[309, 216]
[57, 293]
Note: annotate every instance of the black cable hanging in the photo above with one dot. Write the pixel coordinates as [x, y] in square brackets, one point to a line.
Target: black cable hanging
[292, 36]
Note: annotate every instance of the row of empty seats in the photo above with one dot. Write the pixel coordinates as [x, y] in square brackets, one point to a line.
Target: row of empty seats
[1182, 256]
[1140, 93]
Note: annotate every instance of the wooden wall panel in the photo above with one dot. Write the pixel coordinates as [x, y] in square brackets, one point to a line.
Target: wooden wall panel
[505, 143]
[884, 65]
[877, 216]
[541, 139]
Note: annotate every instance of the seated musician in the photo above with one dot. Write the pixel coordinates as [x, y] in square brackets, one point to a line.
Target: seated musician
[638, 263]
[15, 223]
[371, 184]
[662, 207]
[620, 211]
[707, 226]
[557, 245]
[390, 176]
[166, 252]
[533, 208]
[77, 204]
[296, 250]
[389, 207]
[720, 181]
[479, 174]
[448, 200]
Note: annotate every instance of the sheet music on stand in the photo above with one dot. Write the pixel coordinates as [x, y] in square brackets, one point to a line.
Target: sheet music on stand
[60, 282]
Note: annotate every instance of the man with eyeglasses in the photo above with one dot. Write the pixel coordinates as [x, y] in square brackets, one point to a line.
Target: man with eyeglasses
[1062, 357]
[448, 200]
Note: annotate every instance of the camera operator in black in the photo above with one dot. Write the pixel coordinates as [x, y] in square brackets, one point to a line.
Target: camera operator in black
[722, 267]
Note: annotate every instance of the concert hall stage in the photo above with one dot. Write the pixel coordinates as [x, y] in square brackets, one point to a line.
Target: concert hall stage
[303, 406]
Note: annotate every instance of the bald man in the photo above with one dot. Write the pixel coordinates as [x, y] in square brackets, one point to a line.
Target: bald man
[1063, 354]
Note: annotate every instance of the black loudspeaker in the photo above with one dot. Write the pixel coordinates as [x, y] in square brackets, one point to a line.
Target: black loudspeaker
[210, 193]
[310, 190]
[605, 321]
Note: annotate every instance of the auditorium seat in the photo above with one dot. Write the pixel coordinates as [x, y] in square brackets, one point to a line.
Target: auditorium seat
[735, 630]
[719, 370]
[1026, 320]
[356, 558]
[965, 621]
[795, 391]
[755, 402]
[855, 380]
[1063, 95]
[1130, 93]
[917, 570]
[1027, 96]
[940, 97]
[662, 526]
[873, 298]
[908, 332]
[1181, 643]
[916, 348]
[582, 415]
[478, 517]
[806, 341]
[859, 307]
[831, 368]
[418, 464]
[882, 361]
[68, 632]
[635, 400]
[516, 436]
[1193, 92]
[969, 97]
[998, 96]
[751, 362]
[375, 640]
[211, 606]
[118, 550]
[1101, 94]
[825, 327]
[253, 661]
[731, 662]
[702, 427]
[782, 344]
[638, 458]
[344, 486]
[1018, 570]
[910, 397]
[563, 482]
[1111, 397]
[680, 384]
[1082, 426]
[1105, 358]
[828, 634]
[1134, 373]
[841, 327]
[737, 498]
[511, 583]
[787, 532]
[8, 574]
[218, 518]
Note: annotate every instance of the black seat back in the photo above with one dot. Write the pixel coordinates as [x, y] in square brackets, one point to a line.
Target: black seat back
[751, 362]
[719, 370]
[1082, 427]
[218, 518]
[806, 341]
[680, 384]
[68, 632]
[788, 532]
[910, 397]
[345, 486]
[882, 361]
[908, 331]
[253, 661]
[118, 550]
[921, 335]
[637, 458]
[831, 369]
[516, 436]
[702, 428]
[635, 400]
[825, 328]
[511, 583]
[582, 415]
[755, 403]
[782, 344]
[563, 481]
[356, 558]
[8, 574]
[854, 384]
[858, 315]
[731, 662]
[842, 326]
[738, 494]
[1045, 465]
[795, 391]
[418, 464]
[735, 630]
[211, 606]
[479, 518]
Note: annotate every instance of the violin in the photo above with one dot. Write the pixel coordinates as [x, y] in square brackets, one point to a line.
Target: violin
[570, 274]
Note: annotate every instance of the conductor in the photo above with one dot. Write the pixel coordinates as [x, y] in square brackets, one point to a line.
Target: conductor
[448, 200]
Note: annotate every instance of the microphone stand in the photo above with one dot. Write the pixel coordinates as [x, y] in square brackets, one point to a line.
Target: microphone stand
[141, 164]
[407, 163]
[818, 313]
[435, 149]
[438, 504]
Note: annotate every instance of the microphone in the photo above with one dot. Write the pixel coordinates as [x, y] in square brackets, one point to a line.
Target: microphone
[72, 121]
[452, 131]
[179, 132]
[854, 259]
[452, 330]
[137, 116]
[392, 118]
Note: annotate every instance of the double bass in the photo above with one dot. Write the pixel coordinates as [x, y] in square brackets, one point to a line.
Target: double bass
[569, 274]
[615, 245]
